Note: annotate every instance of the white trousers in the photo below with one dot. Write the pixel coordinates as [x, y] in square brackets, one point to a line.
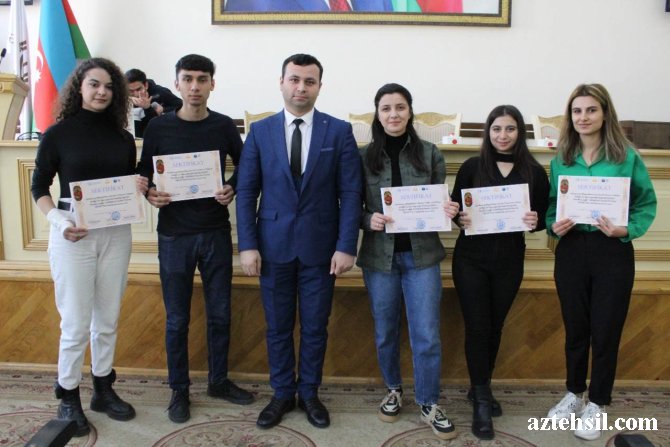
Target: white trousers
[90, 277]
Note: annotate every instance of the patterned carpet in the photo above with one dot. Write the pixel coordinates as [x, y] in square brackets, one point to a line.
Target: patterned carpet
[27, 403]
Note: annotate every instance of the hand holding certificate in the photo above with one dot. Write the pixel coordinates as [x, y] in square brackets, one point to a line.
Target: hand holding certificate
[496, 209]
[192, 175]
[584, 199]
[416, 208]
[107, 202]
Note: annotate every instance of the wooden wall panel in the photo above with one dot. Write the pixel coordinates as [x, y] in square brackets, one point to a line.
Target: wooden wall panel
[532, 346]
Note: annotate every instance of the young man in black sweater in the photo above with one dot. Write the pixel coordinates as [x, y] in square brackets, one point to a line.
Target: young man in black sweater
[195, 232]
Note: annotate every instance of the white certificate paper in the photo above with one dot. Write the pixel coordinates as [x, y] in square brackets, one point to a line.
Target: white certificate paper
[416, 208]
[192, 175]
[107, 202]
[496, 209]
[584, 199]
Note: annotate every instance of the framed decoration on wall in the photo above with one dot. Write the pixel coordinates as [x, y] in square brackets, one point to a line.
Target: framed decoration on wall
[376, 12]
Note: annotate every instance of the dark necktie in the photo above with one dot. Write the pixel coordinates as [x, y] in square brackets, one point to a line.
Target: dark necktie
[296, 149]
[339, 5]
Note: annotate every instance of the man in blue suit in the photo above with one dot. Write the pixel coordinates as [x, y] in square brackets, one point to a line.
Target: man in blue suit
[305, 166]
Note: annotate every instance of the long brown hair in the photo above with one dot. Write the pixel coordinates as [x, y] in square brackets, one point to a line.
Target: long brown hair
[523, 159]
[613, 141]
[70, 100]
[374, 159]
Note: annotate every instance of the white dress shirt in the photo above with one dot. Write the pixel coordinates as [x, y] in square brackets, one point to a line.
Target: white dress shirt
[305, 129]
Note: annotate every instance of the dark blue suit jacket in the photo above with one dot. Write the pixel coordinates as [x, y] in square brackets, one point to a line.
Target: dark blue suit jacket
[310, 225]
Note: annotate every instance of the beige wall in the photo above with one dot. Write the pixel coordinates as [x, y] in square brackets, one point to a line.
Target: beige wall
[551, 47]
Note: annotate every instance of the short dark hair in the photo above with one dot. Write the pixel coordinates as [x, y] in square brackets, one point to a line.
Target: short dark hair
[195, 62]
[302, 60]
[135, 75]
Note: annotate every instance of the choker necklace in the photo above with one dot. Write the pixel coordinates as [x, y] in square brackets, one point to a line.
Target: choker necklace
[507, 158]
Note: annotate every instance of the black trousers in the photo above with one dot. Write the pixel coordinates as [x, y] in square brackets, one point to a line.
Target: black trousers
[487, 272]
[594, 278]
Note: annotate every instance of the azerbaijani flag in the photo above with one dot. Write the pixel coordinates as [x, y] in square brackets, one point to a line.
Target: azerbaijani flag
[59, 47]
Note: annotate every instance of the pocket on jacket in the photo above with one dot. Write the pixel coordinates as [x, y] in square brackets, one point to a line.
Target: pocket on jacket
[267, 214]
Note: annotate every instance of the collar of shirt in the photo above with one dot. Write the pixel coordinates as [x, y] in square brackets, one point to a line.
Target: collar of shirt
[305, 129]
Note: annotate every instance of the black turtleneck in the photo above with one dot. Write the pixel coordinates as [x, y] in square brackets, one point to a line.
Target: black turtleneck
[85, 146]
[393, 147]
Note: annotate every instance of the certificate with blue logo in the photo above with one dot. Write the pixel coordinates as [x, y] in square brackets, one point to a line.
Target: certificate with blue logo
[416, 208]
[193, 175]
[496, 209]
[107, 202]
[583, 199]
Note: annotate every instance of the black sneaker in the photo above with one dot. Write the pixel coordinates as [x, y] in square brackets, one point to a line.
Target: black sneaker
[389, 409]
[178, 411]
[229, 391]
[434, 416]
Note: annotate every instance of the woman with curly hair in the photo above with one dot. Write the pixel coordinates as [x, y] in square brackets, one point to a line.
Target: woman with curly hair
[89, 267]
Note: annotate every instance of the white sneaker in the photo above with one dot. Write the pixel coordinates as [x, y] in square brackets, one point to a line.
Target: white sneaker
[591, 421]
[389, 409]
[571, 403]
[434, 416]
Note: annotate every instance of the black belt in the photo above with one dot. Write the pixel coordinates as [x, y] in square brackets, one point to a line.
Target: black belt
[62, 205]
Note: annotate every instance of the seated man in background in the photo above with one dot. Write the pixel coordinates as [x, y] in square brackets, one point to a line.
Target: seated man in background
[149, 99]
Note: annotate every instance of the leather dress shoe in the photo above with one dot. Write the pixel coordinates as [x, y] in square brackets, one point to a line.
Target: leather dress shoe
[317, 414]
[273, 412]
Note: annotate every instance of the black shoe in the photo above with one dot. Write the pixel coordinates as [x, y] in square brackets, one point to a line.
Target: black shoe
[178, 411]
[229, 391]
[70, 409]
[274, 411]
[496, 409]
[105, 399]
[317, 414]
[482, 422]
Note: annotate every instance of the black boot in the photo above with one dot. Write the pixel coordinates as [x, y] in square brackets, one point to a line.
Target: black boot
[105, 399]
[496, 408]
[70, 409]
[482, 422]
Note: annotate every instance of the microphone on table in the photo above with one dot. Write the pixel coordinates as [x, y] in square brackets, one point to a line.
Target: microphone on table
[2, 54]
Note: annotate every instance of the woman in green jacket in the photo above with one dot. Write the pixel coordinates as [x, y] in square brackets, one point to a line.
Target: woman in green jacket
[595, 264]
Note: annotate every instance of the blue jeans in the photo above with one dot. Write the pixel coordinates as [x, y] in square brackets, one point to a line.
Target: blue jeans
[178, 256]
[422, 290]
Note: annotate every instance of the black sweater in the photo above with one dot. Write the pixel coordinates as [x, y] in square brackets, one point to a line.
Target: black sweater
[539, 201]
[169, 134]
[86, 146]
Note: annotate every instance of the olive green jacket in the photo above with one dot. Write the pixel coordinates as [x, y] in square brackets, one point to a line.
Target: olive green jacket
[376, 251]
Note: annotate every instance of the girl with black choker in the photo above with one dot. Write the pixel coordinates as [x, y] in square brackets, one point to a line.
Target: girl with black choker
[487, 269]
[89, 267]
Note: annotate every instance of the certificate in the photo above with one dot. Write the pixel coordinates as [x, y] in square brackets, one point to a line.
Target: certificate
[583, 199]
[193, 175]
[416, 208]
[107, 202]
[496, 209]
